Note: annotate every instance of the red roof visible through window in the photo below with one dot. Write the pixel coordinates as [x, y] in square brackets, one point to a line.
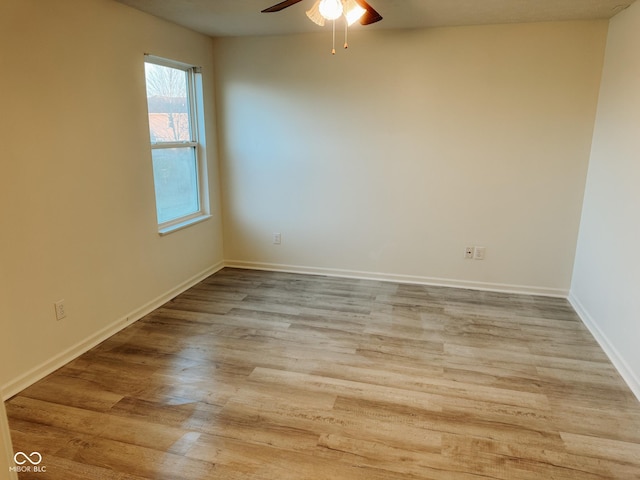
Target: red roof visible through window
[169, 127]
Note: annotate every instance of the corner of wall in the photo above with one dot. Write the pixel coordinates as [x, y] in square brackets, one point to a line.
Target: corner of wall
[625, 371]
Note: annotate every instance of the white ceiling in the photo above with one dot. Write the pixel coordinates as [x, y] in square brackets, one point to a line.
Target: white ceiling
[243, 17]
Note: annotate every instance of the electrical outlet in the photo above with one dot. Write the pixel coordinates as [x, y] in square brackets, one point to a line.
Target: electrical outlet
[468, 252]
[479, 253]
[277, 238]
[60, 310]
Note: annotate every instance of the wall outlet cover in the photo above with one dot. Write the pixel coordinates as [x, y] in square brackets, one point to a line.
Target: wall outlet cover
[479, 253]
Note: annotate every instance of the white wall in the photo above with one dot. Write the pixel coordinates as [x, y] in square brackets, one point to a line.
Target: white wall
[388, 159]
[606, 279]
[76, 188]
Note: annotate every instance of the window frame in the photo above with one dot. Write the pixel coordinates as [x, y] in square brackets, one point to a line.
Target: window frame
[195, 110]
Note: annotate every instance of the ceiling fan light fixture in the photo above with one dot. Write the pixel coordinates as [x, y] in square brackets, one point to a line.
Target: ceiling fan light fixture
[330, 9]
[314, 14]
[352, 11]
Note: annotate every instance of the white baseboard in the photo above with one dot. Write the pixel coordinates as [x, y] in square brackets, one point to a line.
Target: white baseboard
[29, 378]
[15, 386]
[625, 371]
[391, 277]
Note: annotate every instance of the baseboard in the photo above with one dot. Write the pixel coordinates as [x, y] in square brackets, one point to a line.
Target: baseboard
[390, 277]
[29, 378]
[626, 372]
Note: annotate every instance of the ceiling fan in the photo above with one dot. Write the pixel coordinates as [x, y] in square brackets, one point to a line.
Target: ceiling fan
[368, 16]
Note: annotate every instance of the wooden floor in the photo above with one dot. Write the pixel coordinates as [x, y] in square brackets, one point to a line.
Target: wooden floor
[273, 376]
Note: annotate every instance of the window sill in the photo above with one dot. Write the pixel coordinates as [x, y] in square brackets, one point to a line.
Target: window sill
[179, 226]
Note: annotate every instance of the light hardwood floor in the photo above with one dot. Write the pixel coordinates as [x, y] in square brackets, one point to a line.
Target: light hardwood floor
[274, 376]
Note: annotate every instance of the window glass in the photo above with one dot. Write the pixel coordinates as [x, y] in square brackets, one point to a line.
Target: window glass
[172, 103]
[168, 104]
[175, 174]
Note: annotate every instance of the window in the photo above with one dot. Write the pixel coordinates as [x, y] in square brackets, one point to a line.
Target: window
[174, 104]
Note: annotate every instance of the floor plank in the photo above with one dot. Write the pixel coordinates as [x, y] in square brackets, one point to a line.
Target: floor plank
[266, 375]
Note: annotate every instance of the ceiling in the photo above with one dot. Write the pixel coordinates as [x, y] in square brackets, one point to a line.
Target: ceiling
[242, 17]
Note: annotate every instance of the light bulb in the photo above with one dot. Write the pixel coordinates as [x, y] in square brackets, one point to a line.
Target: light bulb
[330, 9]
[314, 14]
[352, 11]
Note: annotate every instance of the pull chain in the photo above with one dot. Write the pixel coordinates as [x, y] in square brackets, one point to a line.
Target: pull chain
[346, 34]
[333, 50]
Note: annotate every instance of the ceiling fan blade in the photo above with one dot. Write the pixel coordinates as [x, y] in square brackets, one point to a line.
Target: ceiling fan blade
[280, 6]
[370, 16]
